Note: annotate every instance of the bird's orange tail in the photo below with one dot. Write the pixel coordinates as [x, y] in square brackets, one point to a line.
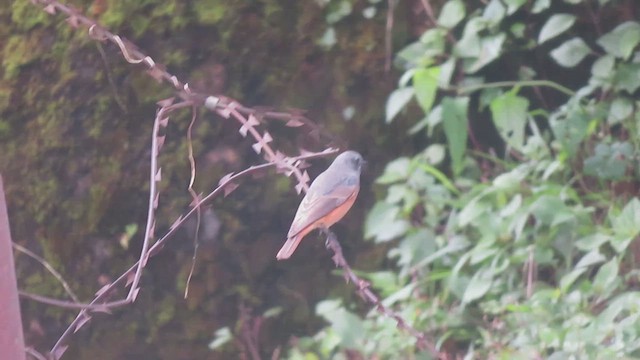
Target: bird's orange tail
[289, 247]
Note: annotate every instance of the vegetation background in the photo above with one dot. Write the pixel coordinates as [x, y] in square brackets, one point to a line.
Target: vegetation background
[500, 209]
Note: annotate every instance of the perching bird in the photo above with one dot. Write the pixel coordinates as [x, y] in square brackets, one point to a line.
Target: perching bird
[329, 198]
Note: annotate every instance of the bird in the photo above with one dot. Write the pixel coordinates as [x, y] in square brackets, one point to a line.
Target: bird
[328, 200]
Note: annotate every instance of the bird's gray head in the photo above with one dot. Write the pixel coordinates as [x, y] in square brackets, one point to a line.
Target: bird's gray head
[350, 160]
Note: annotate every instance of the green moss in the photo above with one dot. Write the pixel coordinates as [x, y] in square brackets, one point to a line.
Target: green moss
[5, 129]
[209, 12]
[26, 16]
[140, 24]
[79, 153]
[166, 311]
[147, 89]
[17, 52]
[175, 58]
[44, 190]
[116, 14]
[6, 90]
[164, 8]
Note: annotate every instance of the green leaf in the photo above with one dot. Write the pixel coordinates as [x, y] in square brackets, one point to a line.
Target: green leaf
[222, 336]
[415, 247]
[417, 127]
[395, 171]
[397, 101]
[540, 6]
[547, 208]
[567, 280]
[626, 222]
[620, 243]
[383, 224]
[609, 162]
[606, 278]
[518, 30]
[472, 211]
[435, 41]
[556, 25]
[402, 294]
[272, 312]
[514, 5]
[621, 41]
[338, 10]
[627, 301]
[572, 130]
[446, 72]
[385, 281]
[455, 244]
[559, 355]
[328, 39]
[510, 117]
[627, 77]
[494, 11]
[404, 195]
[434, 154]
[591, 258]
[469, 45]
[478, 286]
[621, 109]
[571, 52]
[513, 179]
[601, 71]
[513, 206]
[434, 119]
[487, 96]
[412, 55]
[439, 175]
[490, 49]
[454, 117]
[550, 210]
[425, 83]
[592, 241]
[421, 53]
[347, 326]
[451, 14]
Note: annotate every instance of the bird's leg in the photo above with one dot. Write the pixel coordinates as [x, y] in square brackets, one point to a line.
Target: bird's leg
[327, 234]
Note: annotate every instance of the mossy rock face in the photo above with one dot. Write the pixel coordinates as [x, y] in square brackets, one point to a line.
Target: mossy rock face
[75, 132]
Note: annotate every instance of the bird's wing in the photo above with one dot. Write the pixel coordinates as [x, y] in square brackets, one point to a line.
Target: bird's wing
[322, 198]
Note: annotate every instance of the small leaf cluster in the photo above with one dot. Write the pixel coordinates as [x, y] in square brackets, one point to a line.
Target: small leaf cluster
[525, 248]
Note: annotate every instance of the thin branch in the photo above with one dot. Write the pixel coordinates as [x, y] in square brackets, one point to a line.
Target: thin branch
[388, 39]
[31, 351]
[429, 10]
[158, 71]
[64, 304]
[526, 83]
[194, 197]
[99, 301]
[364, 289]
[226, 107]
[49, 268]
[250, 330]
[112, 83]
[154, 178]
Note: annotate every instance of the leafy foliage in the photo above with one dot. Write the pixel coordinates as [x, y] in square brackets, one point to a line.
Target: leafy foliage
[522, 249]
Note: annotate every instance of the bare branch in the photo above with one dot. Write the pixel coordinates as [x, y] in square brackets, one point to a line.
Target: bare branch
[49, 268]
[99, 303]
[364, 290]
[250, 119]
